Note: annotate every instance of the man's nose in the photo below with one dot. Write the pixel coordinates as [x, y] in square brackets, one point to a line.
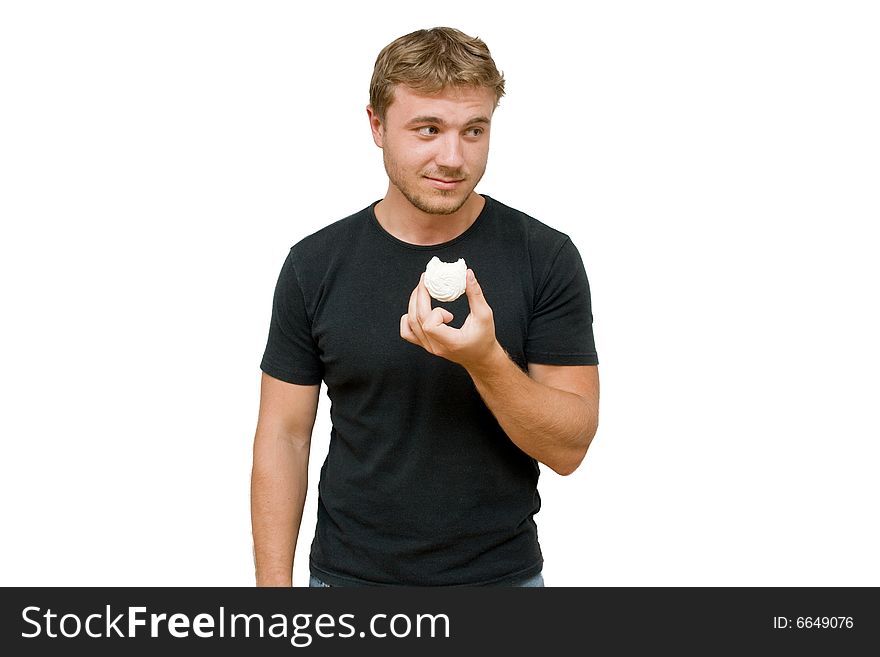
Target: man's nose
[450, 154]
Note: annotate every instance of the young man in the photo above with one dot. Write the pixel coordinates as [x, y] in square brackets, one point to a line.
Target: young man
[440, 411]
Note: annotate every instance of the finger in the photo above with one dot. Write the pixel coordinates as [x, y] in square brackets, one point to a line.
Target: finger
[438, 318]
[406, 332]
[476, 299]
[415, 323]
[443, 334]
[423, 300]
[447, 334]
[430, 317]
[431, 321]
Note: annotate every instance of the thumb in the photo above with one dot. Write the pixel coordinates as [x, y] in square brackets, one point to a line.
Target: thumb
[475, 297]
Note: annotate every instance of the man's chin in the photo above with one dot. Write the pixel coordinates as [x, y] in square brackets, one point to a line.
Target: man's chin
[440, 205]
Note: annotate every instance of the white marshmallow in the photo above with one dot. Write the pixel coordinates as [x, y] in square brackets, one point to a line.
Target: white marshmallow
[446, 281]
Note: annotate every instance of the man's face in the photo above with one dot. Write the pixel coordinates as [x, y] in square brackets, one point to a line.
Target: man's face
[435, 147]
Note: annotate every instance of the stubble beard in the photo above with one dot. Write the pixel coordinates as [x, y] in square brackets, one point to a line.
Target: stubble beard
[442, 201]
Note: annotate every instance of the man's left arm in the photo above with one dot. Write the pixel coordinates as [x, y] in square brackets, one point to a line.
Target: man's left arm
[551, 413]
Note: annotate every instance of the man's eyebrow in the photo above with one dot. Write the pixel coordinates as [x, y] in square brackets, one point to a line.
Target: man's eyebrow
[436, 120]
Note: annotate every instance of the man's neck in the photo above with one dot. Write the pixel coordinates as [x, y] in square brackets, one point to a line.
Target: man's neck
[407, 223]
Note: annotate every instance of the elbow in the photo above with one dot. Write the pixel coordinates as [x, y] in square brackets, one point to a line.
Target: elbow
[569, 465]
[565, 469]
[576, 454]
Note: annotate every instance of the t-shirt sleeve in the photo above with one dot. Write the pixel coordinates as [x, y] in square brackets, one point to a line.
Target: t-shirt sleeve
[561, 326]
[291, 354]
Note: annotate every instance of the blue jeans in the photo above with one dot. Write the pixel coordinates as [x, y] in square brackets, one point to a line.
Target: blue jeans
[533, 581]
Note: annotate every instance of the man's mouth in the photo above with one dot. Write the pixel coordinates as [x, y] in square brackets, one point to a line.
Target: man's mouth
[444, 183]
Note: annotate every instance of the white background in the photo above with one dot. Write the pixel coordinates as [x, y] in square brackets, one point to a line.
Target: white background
[715, 163]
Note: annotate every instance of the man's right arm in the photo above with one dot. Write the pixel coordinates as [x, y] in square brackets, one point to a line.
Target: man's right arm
[279, 479]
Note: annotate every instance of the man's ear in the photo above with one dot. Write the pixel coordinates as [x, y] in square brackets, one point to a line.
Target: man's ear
[375, 126]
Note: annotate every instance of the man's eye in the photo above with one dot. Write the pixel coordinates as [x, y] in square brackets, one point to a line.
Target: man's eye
[428, 131]
[475, 132]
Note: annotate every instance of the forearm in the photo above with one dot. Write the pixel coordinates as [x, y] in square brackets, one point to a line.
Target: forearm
[551, 425]
[279, 482]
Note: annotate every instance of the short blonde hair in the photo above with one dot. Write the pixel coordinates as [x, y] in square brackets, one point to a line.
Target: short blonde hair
[427, 61]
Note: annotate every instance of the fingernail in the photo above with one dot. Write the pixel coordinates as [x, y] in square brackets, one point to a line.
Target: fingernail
[470, 276]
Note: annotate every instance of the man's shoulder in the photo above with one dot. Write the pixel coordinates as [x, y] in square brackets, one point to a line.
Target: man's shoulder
[333, 236]
[538, 233]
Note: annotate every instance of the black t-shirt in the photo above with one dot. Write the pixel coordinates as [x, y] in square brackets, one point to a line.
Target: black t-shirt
[421, 486]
